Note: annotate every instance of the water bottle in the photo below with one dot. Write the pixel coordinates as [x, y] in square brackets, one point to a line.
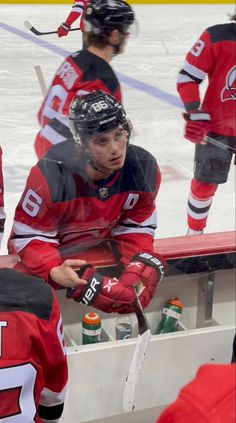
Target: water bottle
[123, 327]
[170, 316]
[91, 328]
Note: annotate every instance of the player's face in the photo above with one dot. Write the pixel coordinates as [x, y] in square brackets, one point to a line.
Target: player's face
[108, 149]
[120, 39]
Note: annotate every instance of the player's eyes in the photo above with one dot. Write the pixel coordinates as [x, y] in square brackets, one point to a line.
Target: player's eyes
[119, 134]
[101, 141]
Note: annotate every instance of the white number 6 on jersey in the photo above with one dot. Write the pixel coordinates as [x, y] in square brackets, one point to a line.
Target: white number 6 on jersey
[31, 203]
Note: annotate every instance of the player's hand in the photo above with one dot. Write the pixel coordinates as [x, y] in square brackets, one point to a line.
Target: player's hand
[102, 292]
[144, 272]
[65, 274]
[113, 295]
[197, 126]
[63, 30]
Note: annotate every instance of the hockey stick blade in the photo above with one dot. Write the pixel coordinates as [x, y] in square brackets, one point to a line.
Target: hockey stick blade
[31, 28]
[136, 365]
[220, 144]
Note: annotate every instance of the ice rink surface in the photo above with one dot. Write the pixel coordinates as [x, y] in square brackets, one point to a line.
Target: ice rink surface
[148, 71]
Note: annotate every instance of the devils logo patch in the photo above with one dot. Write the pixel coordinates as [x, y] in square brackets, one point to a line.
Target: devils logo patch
[229, 91]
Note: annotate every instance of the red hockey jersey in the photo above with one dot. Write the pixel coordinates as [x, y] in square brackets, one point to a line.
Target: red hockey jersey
[33, 364]
[81, 73]
[213, 55]
[62, 213]
[209, 398]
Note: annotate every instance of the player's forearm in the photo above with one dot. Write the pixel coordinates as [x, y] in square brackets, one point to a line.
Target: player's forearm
[40, 257]
[72, 17]
[189, 94]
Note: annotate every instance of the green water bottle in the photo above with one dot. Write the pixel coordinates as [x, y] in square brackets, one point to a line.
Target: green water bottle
[91, 328]
[170, 316]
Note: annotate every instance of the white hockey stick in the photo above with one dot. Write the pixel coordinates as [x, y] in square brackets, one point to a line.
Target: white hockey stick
[144, 335]
[136, 365]
[41, 80]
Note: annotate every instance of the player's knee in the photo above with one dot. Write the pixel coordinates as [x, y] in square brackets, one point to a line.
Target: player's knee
[203, 190]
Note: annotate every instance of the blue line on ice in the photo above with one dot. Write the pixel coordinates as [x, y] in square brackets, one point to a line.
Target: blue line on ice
[134, 83]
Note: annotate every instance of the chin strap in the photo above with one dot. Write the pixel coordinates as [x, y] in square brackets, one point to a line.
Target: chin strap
[117, 47]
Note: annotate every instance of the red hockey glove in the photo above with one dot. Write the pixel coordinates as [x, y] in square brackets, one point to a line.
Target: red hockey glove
[197, 126]
[63, 30]
[144, 272]
[112, 295]
[101, 292]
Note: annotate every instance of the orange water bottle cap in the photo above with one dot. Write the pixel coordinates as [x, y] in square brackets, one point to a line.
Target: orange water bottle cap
[176, 301]
[91, 318]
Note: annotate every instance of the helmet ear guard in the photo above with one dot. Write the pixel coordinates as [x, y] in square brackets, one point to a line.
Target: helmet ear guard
[96, 112]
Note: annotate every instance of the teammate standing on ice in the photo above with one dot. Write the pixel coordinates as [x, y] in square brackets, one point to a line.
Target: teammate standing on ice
[84, 192]
[107, 27]
[77, 11]
[33, 363]
[213, 55]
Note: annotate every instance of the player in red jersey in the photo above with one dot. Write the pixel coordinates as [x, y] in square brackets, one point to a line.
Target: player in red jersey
[85, 71]
[2, 211]
[213, 55]
[33, 364]
[77, 11]
[209, 398]
[82, 193]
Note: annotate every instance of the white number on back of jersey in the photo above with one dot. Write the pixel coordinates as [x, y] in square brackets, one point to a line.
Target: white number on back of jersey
[21, 378]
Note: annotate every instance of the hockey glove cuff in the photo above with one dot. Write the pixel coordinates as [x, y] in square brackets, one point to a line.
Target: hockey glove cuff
[197, 125]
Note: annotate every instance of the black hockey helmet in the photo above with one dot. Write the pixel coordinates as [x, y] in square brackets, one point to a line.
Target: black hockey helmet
[103, 16]
[96, 112]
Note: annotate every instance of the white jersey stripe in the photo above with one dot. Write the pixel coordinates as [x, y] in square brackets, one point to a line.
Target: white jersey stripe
[193, 70]
[50, 398]
[147, 226]
[78, 9]
[22, 229]
[20, 243]
[31, 234]
[150, 221]
[183, 79]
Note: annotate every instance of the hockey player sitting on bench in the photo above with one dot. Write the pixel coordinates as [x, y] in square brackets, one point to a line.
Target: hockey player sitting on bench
[95, 188]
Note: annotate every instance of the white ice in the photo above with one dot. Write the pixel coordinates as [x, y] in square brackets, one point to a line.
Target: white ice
[166, 32]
